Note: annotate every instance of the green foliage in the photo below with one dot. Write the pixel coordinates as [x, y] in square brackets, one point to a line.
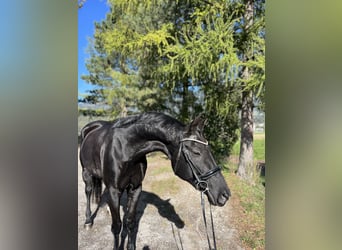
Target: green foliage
[250, 42]
[180, 57]
[221, 135]
[92, 112]
[95, 96]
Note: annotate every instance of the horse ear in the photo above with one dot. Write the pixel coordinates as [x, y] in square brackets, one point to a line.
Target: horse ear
[197, 124]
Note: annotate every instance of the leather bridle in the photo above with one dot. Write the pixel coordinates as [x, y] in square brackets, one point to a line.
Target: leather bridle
[200, 182]
[200, 178]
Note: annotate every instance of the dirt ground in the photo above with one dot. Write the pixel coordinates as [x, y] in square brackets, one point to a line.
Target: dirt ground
[169, 214]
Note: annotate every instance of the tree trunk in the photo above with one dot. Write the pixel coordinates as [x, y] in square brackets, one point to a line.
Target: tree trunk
[246, 163]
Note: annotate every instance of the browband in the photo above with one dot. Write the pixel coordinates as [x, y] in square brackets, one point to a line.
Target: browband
[195, 140]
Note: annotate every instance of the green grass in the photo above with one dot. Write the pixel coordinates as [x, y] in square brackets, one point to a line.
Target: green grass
[259, 147]
[249, 200]
[253, 203]
[248, 203]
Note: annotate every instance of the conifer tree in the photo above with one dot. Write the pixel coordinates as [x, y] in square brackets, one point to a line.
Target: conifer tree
[181, 57]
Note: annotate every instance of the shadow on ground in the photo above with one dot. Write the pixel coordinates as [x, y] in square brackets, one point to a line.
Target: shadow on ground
[165, 210]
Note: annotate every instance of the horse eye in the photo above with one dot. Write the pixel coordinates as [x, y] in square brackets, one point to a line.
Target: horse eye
[197, 152]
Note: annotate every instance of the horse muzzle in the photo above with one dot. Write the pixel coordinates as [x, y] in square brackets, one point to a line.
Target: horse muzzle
[222, 199]
[218, 200]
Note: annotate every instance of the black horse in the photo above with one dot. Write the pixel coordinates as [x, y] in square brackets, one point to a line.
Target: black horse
[115, 153]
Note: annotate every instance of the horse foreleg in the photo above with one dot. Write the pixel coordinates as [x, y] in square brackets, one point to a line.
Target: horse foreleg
[87, 178]
[114, 206]
[133, 197]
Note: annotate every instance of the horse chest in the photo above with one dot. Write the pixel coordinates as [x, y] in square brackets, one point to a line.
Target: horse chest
[135, 174]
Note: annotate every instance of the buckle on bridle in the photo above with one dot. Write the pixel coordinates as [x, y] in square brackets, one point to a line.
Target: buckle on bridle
[201, 182]
[202, 186]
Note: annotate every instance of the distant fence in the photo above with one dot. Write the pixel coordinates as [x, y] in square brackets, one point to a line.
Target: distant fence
[259, 127]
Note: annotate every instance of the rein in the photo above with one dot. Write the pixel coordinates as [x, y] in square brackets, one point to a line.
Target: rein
[200, 182]
[205, 222]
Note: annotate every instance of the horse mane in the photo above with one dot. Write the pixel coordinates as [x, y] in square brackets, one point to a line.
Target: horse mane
[152, 124]
[125, 121]
[148, 118]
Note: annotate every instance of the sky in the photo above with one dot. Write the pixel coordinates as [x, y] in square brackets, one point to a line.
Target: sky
[92, 10]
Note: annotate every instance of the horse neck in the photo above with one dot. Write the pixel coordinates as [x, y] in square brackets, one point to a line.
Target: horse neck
[161, 138]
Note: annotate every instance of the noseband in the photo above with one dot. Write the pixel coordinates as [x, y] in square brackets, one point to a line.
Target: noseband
[200, 178]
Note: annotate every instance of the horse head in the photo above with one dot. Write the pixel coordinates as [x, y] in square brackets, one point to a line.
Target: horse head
[195, 164]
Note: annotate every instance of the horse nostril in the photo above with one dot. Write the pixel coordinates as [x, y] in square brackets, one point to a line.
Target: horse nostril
[226, 193]
[223, 198]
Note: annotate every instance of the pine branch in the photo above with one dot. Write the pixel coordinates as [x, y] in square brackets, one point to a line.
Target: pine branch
[81, 3]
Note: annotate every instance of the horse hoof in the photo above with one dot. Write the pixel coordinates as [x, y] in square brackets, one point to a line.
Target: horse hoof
[88, 226]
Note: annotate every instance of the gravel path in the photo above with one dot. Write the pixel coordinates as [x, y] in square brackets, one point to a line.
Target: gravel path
[169, 212]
